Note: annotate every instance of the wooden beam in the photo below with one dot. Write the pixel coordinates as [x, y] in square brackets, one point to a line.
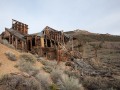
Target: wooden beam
[16, 42]
[22, 45]
[31, 43]
[12, 40]
[25, 46]
[42, 42]
[9, 39]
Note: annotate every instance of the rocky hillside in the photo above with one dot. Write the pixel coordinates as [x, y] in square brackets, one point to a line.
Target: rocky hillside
[98, 67]
[83, 35]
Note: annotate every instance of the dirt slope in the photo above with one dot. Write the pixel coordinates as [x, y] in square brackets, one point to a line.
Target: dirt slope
[7, 66]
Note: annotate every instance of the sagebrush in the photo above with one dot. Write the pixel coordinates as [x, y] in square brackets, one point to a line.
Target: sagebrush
[11, 55]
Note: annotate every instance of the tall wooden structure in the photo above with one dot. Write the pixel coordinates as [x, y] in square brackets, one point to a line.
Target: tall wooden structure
[44, 43]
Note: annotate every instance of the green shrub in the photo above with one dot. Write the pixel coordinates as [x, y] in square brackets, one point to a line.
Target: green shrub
[11, 56]
[28, 57]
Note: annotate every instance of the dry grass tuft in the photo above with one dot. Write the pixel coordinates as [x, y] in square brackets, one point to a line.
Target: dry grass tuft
[28, 57]
[11, 56]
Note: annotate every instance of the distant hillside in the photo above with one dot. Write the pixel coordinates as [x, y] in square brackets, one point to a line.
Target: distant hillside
[83, 35]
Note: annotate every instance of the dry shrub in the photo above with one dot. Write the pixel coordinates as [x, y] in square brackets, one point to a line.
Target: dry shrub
[11, 56]
[64, 82]
[47, 69]
[56, 75]
[26, 64]
[19, 82]
[95, 63]
[54, 87]
[27, 67]
[100, 83]
[72, 73]
[49, 66]
[69, 83]
[93, 83]
[49, 63]
[44, 80]
[5, 42]
[28, 57]
[44, 62]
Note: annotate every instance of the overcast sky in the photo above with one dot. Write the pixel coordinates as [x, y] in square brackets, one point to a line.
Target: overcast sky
[99, 16]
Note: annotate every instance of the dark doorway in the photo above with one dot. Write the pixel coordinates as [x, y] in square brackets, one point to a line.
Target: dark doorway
[33, 41]
[48, 43]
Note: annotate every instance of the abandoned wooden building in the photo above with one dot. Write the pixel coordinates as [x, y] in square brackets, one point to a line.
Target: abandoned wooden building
[44, 43]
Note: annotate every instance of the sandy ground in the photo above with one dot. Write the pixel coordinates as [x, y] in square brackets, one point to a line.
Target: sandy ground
[8, 65]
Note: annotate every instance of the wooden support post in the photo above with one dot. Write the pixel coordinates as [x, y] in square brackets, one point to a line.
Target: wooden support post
[35, 40]
[55, 45]
[55, 37]
[63, 38]
[22, 45]
[31, 44]
[24, 28]
[9, 39]
[25, 46]
[46, 42]
[58, 37]
[16, 42]
[42, 42]
[12, 40]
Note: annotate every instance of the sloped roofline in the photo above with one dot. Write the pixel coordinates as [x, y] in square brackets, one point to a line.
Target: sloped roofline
[15, 33]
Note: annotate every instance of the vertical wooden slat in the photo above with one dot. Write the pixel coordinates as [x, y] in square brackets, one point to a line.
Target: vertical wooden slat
[9, 39]
[31, 43]
[22, 45]
[42, 41]
[16, 42]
